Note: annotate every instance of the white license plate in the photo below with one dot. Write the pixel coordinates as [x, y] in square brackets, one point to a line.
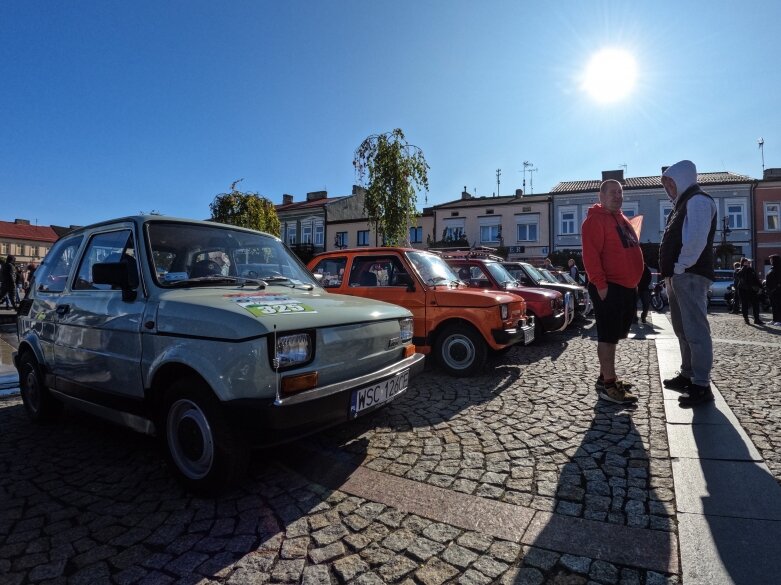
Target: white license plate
[378, 393]
[528, 336]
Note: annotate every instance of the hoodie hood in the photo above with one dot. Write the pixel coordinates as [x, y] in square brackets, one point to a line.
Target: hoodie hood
[684, 173]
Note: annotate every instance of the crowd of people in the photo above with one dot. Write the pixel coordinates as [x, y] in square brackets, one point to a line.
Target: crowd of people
[14, 281]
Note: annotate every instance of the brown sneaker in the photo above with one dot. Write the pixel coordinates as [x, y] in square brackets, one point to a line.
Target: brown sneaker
[618, 393]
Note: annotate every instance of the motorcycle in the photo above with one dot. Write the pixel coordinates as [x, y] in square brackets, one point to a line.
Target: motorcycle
[659, 296]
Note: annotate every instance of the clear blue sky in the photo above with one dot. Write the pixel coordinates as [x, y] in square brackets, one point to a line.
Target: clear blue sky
[109, 108]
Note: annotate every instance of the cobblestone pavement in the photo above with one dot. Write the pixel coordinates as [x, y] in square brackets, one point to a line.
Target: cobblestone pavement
[82, 501]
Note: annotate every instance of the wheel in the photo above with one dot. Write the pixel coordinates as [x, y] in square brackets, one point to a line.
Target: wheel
[204, 452]
[657, 303]
[40, 405]
[460, 350]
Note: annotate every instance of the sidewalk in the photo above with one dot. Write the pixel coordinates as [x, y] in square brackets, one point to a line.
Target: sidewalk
[728, 502]
[9, 380]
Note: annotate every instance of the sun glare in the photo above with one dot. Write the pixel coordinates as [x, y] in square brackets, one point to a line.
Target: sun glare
[610, 75]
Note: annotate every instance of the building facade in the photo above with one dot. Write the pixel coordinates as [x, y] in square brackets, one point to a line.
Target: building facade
[27, 243]
[767, 218]
[519, 223]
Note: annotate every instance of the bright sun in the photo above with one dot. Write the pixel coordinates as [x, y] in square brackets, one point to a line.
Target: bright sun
[610, 75]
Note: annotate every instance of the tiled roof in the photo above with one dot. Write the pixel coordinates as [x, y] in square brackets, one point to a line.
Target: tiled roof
[649, 182]
[20, 231]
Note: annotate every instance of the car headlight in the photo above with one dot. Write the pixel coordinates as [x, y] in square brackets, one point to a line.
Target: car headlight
[504, 312]
[406, 329]
[293, 349]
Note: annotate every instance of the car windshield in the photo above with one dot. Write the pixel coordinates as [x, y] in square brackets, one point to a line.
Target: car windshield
[567, 278]
[431, 268]
[203, 255]
[534, 273]
[500, 273]
[546, 275]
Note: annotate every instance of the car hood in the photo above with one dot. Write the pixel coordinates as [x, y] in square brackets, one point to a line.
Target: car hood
[533, 293]
[234, 313]
[471, 298]
[561, 287]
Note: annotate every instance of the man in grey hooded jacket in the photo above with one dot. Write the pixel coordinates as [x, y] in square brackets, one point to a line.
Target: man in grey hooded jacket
[686, 264]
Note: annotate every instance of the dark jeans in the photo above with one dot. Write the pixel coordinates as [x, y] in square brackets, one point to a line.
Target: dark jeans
[775, 302]
[749, 297]
[645, 301]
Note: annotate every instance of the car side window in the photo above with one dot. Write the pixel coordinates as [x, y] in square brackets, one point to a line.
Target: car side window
[379, 271]
[52, 274]
[332, 271]
[117, 246]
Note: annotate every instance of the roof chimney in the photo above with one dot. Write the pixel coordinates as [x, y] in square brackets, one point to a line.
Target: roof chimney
[22, 221]
[664, 169]
[358, 190]
[519, 192]
[614, 175]
[465, 194]
[287, 199]
[770, 174]
[315, 195]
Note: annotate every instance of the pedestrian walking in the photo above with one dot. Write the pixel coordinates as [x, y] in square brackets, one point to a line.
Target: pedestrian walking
[749, 286]
[547, 264]
[686, 264]
[613, 262]
[735, 295]
[773, 286]
[573, 269]
[8, 281]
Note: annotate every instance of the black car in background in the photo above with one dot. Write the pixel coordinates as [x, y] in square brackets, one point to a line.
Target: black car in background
[528, 275]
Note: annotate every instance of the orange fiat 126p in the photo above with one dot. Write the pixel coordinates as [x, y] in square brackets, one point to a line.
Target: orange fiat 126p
[460, 326]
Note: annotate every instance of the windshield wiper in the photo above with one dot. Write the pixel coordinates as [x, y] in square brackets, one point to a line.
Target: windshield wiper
[209, 280]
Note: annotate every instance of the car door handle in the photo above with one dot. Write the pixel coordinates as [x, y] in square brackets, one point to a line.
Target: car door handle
[62, 309]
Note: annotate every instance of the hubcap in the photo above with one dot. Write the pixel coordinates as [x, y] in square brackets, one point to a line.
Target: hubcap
[459, 352]
[190, 439]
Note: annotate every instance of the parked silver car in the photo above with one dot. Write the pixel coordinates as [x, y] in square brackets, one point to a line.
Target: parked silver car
[213, 337]
[718, 289]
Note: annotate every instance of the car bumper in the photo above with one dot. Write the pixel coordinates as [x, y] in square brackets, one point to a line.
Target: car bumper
[270, 422]
[521, 335]
[556, 321]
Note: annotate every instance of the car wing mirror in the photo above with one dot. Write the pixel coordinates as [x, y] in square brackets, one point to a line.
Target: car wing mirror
[121, 275]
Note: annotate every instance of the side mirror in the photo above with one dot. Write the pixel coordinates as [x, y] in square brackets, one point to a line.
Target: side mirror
[119, 275]
[404, 279]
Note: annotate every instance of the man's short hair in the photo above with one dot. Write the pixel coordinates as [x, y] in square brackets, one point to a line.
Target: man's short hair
[603, 186]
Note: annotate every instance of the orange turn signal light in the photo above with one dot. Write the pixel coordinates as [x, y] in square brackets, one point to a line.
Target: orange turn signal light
[409, 350]
[299, 383]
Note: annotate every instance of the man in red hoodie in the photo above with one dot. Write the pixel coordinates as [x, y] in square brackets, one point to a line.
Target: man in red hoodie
[614, 263]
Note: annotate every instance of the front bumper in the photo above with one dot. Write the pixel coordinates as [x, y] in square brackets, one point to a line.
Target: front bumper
[523, 334]
[270, 422]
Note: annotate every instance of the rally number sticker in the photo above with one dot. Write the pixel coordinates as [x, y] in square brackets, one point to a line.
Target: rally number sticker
[270, 304]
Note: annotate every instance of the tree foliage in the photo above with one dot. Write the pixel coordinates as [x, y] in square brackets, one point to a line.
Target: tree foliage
[392, 170]
[248, 210]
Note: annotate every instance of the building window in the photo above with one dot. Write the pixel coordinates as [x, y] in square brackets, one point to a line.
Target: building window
[363, 238]
[306, 233]
[665, 207]
[567, 217]
[415, 235]
[489, 234]
[319, 234]
[527, 229]
[454, 229]
[291, 234]
[773, 216]
[341, 240]
[4, 249]
[736, 213]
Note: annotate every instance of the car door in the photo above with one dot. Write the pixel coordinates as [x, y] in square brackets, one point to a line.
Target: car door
[387, 277]
[49, 288]
[98, 347]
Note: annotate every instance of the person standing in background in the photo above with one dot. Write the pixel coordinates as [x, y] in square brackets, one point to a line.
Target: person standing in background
[773, 285]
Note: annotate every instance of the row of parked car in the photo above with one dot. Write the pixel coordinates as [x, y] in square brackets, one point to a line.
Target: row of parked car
[217, 338]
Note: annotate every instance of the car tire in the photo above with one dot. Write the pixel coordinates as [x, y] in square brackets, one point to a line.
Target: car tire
[205, 454]
[460, 350]
[39, 403]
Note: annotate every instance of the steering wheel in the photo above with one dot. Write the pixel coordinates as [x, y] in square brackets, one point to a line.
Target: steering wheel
[250, 274]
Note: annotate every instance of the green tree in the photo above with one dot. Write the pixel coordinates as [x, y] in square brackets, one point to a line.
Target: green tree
[392, 170]
[248, 210]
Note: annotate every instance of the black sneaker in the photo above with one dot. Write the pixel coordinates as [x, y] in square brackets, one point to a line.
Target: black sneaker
[696, 395]
[679, 383]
